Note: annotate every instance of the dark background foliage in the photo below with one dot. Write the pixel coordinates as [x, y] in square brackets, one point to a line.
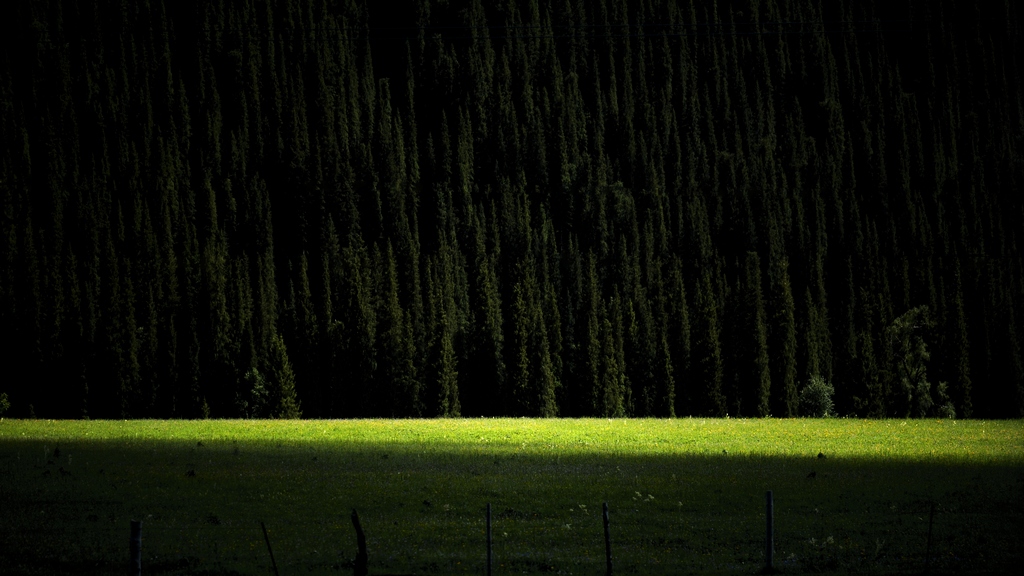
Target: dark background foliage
[602, 207]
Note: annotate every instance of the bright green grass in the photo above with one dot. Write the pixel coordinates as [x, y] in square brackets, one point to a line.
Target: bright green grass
[686, 496]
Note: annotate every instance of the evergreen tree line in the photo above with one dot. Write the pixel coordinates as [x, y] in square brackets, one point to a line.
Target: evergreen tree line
[524, 208]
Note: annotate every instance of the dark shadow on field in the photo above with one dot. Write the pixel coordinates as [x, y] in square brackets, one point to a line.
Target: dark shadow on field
[422, 506]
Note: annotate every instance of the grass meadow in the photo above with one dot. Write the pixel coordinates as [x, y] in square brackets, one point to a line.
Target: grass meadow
[685, 496]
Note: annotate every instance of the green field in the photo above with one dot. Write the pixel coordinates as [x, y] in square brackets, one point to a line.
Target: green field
[686, 496]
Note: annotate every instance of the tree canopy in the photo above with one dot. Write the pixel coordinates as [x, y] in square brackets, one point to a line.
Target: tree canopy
[332, 208]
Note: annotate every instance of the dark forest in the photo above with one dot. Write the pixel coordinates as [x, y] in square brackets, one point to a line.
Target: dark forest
[283, 208]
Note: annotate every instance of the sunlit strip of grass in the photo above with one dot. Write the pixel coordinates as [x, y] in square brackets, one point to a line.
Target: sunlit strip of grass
[969, 440]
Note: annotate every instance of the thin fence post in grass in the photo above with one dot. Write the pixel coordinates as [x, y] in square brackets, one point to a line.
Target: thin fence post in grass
[266, 537]
[488, 539]
[607, 542]
[928, 550]
[769, 544]
[135, 550]
[360, 567]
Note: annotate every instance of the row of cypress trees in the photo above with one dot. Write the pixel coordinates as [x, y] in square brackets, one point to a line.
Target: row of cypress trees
[570, 208]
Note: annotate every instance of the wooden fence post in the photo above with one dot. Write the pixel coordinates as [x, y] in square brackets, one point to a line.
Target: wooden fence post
[607, 543]
[769, 547]
[488, 539]
[928, 550]
[135, 549]
[360, 568]
[269, 549]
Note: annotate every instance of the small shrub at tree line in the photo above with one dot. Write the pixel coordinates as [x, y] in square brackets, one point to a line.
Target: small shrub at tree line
[816, 398]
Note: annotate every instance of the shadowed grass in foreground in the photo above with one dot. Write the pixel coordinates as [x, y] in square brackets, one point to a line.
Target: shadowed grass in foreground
[686, 496]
